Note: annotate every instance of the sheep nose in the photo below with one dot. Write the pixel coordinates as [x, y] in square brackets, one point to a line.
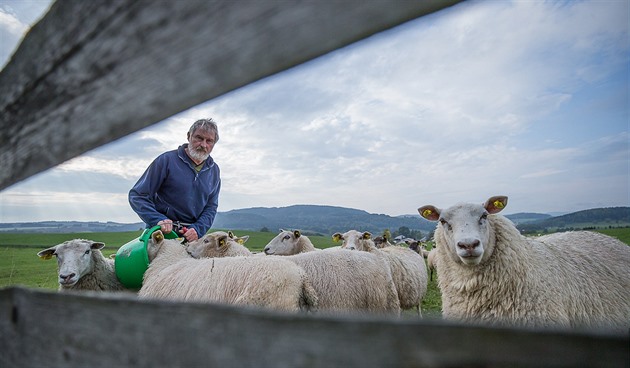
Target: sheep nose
[66, 277]
[468, 244]
[266, 250]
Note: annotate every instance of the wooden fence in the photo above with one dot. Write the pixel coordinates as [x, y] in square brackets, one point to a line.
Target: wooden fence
[48, 329]
[93, 71]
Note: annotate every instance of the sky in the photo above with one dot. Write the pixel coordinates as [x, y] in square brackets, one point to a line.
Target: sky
[527, 99]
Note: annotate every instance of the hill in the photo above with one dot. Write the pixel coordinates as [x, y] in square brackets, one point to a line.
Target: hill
[53, 227]
[524, 217]
[327, 220]
[317, 219]
[597, 218]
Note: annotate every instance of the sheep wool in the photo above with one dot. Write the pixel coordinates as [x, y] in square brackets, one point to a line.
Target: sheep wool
[264, 282]
[408, 268]
[345, 282]
[350, 282]
[489, 273]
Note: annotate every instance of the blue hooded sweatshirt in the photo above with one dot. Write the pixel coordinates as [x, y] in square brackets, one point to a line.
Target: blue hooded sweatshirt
[172, 188]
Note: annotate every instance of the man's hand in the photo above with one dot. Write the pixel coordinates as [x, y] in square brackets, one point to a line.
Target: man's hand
[166, 226]
[190, 234]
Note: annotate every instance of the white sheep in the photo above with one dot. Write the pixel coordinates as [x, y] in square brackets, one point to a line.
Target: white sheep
[216, 244]
[489, 273]
[82, 266]
[268, 282]
[288, 242]
[345, 282]
[382, 242]
[408, 268]
[431, 262]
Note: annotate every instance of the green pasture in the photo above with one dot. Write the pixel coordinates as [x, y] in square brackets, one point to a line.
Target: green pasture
[19, 264]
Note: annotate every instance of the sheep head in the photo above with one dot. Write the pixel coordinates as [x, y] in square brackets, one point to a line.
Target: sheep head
[74, 259]
[211, 245]
[284, 244]
[465, 228]
[355, 240]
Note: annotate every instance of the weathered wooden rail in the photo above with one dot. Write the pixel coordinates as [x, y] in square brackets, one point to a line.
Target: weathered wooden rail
[47, 329]
[93, 71]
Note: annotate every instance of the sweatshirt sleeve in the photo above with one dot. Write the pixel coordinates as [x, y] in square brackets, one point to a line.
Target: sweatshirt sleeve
[141, 194]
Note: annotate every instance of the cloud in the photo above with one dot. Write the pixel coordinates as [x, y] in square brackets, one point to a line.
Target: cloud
[526, 99]
[11, 24]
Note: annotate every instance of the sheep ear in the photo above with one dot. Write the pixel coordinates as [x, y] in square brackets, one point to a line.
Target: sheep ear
[336, 237]
[429, 212]
[495, 204]
[296, 233]
[47, 253]
[243, 239]
[98, 245]
[367, 235]
[222, 241]
[231, 234]
[157, 236]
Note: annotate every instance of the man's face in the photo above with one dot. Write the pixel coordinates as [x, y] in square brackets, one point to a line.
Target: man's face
[200, 144]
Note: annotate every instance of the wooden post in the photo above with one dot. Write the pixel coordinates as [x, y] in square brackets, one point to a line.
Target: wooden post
[49, 329]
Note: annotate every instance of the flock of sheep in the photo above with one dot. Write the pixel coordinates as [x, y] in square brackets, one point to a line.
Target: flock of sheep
[488, 273]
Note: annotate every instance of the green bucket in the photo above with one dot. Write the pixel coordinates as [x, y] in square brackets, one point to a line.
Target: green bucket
[132, 259]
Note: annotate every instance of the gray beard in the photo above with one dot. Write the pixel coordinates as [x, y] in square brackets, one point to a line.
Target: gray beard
[197, 156]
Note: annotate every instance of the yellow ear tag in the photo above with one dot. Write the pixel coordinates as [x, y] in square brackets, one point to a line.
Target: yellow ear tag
[221, 242]
[426, 213]
[158, 237]
[336, 238]
[46, 257]
[240, 241]
[498, 204]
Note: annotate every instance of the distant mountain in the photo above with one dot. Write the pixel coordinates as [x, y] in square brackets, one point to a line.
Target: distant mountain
[587, 219]
[524, 217]
[68, 227]
[318, 219]
[329, 219]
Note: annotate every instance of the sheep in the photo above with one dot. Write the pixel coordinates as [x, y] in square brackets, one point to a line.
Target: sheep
[418, 247]
[331, 273]
[287, 243]
[267, 282]
[382, 242]
[82, 266]
[207, 247]
[431, 262]
[408, 268]
[489, 273]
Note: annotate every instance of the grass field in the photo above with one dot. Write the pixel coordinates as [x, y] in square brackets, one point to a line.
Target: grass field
[19, 264]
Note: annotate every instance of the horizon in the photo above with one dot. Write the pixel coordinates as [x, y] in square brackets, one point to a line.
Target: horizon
[526, 99]
[552, 214]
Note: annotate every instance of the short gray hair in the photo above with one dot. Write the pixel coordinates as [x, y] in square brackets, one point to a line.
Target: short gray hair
[206, 124]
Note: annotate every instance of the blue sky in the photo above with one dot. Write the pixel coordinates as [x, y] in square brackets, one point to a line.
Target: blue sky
[523, 98]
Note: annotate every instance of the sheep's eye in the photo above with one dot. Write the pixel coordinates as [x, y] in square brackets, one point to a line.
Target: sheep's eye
[87, 252]
[445, 224]
[206, 241]
[483, 218]
[287, 237]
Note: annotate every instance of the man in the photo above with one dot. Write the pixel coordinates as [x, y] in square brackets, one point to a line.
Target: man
[182, 185]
